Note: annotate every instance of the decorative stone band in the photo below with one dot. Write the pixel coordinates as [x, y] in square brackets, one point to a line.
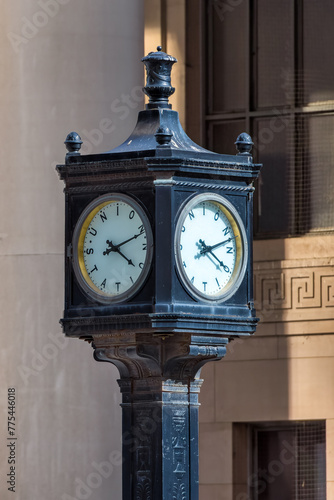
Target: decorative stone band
[294, 290]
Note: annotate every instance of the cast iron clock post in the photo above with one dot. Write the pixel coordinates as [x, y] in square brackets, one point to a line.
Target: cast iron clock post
[158, 277]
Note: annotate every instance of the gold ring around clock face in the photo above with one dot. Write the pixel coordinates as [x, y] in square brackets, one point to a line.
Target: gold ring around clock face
[112, 248]
[210, 247]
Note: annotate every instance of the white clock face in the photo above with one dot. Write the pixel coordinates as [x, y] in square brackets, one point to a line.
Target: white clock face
[210, 247]
[112, 248]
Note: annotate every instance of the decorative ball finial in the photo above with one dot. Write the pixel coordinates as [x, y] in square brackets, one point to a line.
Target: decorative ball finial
[163, 136]
[73, 143]
[244, 144]
[158, 78]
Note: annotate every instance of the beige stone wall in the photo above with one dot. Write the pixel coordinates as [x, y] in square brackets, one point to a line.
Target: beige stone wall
[66, 65]
[284, 372]
[167, 27]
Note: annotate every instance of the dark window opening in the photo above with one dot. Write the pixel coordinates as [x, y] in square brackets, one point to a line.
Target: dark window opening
[279, 461]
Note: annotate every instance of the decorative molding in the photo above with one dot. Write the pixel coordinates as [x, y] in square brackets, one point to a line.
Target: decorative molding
[144, 463]
[135, 184]
[214, 163]
[144, 488]
[76, 167]
[179, 443]
[145, 319]
[145, 358]
[105, 188]
[180, 429]
[179, 491]
[203, 185]
[294, 290]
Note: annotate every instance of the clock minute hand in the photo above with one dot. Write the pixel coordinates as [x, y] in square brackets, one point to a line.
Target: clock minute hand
[212, 247]
[127, 241]
[114, 248]
[224, 242]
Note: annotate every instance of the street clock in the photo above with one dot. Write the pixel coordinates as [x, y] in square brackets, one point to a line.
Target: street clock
[158, 277]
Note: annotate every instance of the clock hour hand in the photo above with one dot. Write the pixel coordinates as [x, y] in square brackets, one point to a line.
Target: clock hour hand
[128, 260]
[208, 250]
[221, 263]
[212, 247]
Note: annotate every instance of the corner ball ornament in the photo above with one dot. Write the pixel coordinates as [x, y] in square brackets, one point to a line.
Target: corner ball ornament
[163, 136]
[244, 144]
[158, 277]
[73, 143]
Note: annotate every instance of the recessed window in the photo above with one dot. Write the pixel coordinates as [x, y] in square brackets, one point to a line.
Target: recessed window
[289, 462]
[281, 461]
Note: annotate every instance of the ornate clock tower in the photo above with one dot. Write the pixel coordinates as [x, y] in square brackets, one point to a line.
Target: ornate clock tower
[158, 277]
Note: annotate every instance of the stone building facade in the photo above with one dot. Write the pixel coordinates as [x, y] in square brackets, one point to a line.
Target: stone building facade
[270, 402]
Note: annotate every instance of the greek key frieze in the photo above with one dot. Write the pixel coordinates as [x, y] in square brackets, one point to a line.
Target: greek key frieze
[286, 292]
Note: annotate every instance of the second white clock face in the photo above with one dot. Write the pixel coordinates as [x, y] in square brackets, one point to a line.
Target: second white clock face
[114, 248]
[209, 247]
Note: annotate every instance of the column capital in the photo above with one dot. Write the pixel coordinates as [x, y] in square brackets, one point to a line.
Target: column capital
[152, 357]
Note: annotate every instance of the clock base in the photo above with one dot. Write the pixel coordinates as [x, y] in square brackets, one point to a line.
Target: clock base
[160, 384]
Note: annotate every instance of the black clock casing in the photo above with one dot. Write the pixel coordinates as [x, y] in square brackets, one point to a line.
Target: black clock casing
[161, 175]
